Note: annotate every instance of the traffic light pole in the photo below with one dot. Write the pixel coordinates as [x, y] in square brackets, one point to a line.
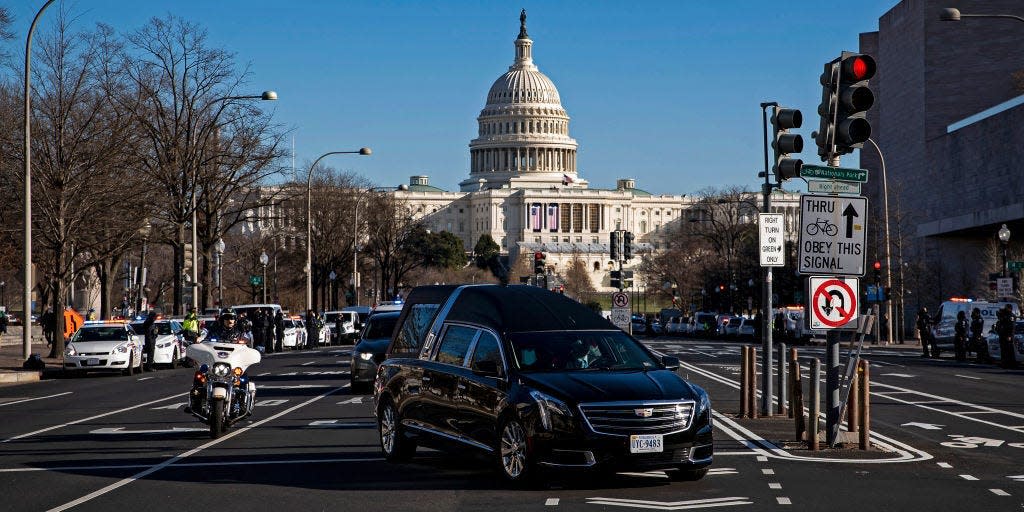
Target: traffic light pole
[766, 323]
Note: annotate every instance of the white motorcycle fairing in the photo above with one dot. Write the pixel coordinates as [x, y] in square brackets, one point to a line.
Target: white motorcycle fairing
[236, 355]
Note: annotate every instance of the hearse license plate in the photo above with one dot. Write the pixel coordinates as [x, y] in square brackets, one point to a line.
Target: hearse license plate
[92, 362]
[647, 443]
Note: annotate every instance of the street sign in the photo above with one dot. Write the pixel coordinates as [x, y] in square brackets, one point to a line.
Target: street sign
[833, 302]
[832, 230]
[833, 187]
[1004, 286]
[620, 300]
[1015, 266]
[834, 173]
[621, 318]
[255, 280]
[771, 239]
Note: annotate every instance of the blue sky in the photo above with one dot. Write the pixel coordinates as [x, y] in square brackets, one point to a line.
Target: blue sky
[664, 92]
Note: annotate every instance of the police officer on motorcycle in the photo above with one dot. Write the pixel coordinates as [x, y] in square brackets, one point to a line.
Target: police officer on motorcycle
[226, 330]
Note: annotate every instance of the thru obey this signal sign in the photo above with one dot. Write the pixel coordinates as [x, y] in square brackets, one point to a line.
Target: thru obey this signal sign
[834, 302]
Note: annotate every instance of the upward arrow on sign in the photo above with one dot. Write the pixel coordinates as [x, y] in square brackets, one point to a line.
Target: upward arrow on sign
[850, 212]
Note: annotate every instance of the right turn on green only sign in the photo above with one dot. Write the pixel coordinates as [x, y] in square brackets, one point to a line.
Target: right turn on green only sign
[832, 230]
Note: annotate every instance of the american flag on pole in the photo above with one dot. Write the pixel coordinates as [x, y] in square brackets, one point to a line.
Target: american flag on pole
[566, 179]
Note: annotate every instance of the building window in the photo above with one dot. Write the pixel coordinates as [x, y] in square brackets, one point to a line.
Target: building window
[597, 266]
[579, 239]
[594, 240]
[536, 240]
[554, 239]
[643, 226]
[565, 239]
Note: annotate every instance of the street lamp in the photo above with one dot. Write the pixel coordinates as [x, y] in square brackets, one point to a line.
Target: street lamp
[309, 219]
[264, 259]
[144, 231]
[1004, 238]
[264, 96]
[218, 250]
[3, 293]
[334, 299]
[954, 14]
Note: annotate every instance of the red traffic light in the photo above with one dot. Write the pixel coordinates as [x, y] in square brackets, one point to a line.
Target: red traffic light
[538, 256]
[878, 265]
[859, 67]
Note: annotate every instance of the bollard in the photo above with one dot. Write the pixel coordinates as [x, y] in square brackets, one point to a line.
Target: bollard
[852, 405]
[783, 380]
[798, 397]
[743, 383]
[794, 377]
[812, 431]
[865, 404]
[752, 380]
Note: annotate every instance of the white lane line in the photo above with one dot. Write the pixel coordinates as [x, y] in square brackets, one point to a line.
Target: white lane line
[158, 467]
[767, 471]
[968, 477]
[999, 492]
[675, 504]
[762, 458]
[62, 425]
[967, 376]
[551, 502]
[307, 364]
[264, 374]
[143, 378]
[36, 398]
[944, 465]
[193, 464]
[783, 500]
[940, 399]
[774, 485]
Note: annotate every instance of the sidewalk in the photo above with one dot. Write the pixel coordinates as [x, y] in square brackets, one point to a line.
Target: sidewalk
[11, 360]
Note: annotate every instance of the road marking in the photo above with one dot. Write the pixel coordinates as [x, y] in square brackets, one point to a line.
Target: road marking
[926, 426]
[62, 425]
[264, 374]
[36, 398]
[950, 401]
[999, 492]
[968, 477]
[762, 458]
[1019, 478]
[353, 400]
[307, 364]
[945, 465]
[967, 377]
[214, 442]
[143, 378]
[775, 486]
[297, 386]
[335, 424]
[900, 375]
[551, 502]
[191, 464]
[671, 505]
[121, 430]
[767, 471]
[270, 403]
[722, 471]
[783, 500]
[172, 406]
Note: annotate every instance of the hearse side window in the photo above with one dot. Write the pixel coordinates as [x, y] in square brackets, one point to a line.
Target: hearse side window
[455, 343]
[487, 350]
[416, 324]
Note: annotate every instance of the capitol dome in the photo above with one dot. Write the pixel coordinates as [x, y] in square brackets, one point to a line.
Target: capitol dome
[523, 136]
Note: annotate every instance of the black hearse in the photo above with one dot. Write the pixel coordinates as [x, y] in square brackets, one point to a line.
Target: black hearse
[534, 379]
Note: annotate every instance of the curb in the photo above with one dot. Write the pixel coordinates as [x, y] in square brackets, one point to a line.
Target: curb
[8, 377]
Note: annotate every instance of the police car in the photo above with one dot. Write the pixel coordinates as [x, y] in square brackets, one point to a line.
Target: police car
[170, 341]
[104, 345]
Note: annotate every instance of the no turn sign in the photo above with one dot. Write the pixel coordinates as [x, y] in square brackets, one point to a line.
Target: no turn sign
[620, 300]
[834, 302]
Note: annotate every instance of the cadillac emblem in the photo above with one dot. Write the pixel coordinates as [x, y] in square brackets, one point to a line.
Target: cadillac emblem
[644, 413]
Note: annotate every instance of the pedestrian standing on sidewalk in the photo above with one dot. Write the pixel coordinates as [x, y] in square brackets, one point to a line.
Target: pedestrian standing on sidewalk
[960, 341]
[924, 330]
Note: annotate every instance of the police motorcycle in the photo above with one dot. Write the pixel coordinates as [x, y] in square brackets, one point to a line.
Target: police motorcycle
[222, 393]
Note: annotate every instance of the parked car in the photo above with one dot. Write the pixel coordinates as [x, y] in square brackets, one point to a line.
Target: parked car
[104, 345]
[369, 351]
[746, 329]
[294, 333]
[363, 313]
[170, 342]
[996, 352]
[348, 332]
[533, 379]
[702, 324]
[677, 325]
[639, 326]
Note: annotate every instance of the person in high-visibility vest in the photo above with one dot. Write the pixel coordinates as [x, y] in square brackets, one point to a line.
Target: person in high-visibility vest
[190, 326]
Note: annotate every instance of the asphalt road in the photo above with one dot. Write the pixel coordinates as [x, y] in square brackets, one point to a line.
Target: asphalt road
[954, 434]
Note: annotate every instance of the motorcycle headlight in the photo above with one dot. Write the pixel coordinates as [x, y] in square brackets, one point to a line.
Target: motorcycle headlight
[366, 356]
[548, 405]
[221, 370]
[70, 351]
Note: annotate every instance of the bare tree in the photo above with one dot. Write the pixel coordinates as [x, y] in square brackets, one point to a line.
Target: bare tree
[725, 220]
[392, 240]
[577, 277]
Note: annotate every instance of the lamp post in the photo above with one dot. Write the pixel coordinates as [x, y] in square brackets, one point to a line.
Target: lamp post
[953, 14]
[888, 246]
[144, 231]
[334, 295]
[218, 250]
[3, 293]
[1004, 239]
[264, 96]
[264, 259]
[309, 219]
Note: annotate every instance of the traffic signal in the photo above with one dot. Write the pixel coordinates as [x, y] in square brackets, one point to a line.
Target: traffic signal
[845, 98]
[784, 143]
[878, 271]
[616, 279]
[187, 265]
[538, 262]
[627, 245]
[616, 240]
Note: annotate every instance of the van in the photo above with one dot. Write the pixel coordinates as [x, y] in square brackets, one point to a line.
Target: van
[944, 319]
[702, 324]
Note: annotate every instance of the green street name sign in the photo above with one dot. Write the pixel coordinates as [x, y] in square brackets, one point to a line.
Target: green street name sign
[1015, 266]
[834, 173]
[256, 280]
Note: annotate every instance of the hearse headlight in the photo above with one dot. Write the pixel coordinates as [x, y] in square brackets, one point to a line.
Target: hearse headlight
[548, 405]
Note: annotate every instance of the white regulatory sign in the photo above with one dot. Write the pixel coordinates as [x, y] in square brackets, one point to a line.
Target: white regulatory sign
[620, 300]
[771, 239]
[621, 318]
[832, 231]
